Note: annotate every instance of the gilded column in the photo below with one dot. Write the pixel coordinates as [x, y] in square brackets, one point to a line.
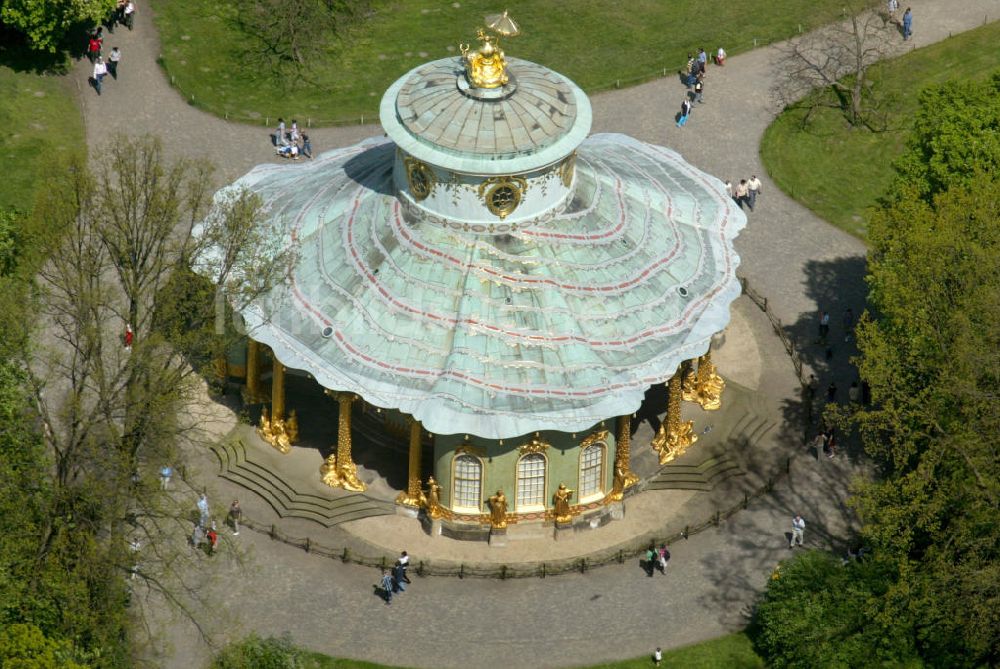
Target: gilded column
[412, 495]
[277, 392]
[253, 370]
[625, 478]
[704, 386]
[339, 469]
[674, 436]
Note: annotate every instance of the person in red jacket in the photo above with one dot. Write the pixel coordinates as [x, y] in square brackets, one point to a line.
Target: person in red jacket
[128, 337]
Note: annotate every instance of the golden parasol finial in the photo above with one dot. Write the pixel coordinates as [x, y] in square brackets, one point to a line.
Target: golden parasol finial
[502, 24]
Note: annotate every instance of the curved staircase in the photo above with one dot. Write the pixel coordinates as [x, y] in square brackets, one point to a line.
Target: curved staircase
[743, 422]
[287, 502]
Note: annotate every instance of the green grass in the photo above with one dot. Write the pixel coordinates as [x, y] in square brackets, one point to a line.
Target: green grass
[594, 42]
[840, 172]
[734, 651]
[41, 123]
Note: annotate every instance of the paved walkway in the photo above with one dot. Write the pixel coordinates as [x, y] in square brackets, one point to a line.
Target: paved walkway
[789, 255]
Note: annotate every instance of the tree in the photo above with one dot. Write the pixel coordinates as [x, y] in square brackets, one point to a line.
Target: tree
[26, 647]
[932, 358]
[837, 59]
[106, 252]
[45, 23]
[930, 352]
[956, 135]
[816, 612]
[282, 33]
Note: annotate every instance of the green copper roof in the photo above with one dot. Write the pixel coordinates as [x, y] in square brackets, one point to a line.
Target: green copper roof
[536, 120]
[557, 326]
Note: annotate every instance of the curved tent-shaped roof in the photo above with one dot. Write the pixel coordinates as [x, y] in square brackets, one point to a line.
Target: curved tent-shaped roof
[551, 327]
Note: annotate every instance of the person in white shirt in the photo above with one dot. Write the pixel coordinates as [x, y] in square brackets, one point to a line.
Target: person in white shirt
[129, 12]
[100, 70]
[798, 527]
[720, 57]
[753, 190]
[114, 58]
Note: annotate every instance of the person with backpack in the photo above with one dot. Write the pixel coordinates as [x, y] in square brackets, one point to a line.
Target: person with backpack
[663, 555]
[685, 112]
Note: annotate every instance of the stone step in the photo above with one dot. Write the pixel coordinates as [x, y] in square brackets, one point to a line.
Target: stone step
[282, 496]
[703, 476]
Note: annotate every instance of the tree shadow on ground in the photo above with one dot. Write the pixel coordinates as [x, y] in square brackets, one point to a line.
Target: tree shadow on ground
[836, 286]
[757, 539]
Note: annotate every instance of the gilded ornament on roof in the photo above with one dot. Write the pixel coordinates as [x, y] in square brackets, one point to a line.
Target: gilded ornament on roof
[486, 67]
[420, 178]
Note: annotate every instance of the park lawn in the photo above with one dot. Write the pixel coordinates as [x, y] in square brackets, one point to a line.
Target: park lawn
[734, 651]
[839, 173]
[41, 124]
[596, 43]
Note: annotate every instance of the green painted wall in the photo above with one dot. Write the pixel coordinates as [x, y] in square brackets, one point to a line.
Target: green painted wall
[500, 462]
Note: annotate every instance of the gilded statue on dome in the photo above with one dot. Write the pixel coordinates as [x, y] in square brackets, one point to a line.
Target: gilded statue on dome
[486, 67]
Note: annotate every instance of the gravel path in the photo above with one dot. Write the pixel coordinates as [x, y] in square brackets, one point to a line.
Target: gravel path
[799, 262]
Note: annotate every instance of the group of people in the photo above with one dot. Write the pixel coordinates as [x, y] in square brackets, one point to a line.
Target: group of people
[206, 531]
[394, 581]
[102, 66]
[289, 142]
[745, 193]
[656, 559]
[694, 78]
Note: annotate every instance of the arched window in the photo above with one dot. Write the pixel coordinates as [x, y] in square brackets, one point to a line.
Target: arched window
[592, 470]
[468, 483]
[531, 481]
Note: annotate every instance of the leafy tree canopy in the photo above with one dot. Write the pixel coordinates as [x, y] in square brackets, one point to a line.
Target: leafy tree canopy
[956, 133]
[45, 22]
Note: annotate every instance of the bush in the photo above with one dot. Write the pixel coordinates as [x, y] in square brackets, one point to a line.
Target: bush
[252, 651]
[819, 613]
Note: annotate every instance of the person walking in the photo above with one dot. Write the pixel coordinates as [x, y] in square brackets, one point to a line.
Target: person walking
[166, 473]
[94, 47]
[824, 326]
[907, 24]
[100, 71]
[307, 149]
[235, 516]
[203, 510]
[129, 13]
[893, 7]
[699, 89]
[213, 539]
[663, 555]
[847, 320]
[798, 527]
[197, 536]
[114, 58]
[279, 135]
[742, 193]
[387, 586]
[650, 560]
[397, 577]
[831, 392]
[685, 112]
[729, 189]
[753, 190]
[657, 657]
[702, 59]
[404, 562]
[129, 335]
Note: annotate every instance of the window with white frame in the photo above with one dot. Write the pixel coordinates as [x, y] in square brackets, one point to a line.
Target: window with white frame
[531, 481]
[591, 470]
[468, 484]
